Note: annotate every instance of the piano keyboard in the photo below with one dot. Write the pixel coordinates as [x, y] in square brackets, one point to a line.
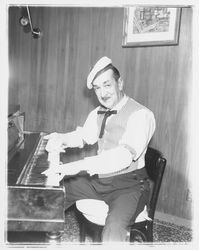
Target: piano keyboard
[32, 174]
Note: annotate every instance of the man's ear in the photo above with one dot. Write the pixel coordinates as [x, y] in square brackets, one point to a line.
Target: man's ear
[120, 84]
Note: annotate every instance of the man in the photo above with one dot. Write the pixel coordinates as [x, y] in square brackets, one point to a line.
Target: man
[123, 128]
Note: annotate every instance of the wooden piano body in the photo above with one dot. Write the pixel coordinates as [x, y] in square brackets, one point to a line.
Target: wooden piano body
[32, 205]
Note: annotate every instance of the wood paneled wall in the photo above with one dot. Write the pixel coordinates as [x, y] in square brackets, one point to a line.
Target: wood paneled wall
[48, 79]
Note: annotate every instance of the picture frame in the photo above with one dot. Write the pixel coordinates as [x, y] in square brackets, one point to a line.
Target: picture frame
[151, 26]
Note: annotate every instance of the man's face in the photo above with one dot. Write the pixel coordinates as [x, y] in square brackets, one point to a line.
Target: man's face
[108, 90]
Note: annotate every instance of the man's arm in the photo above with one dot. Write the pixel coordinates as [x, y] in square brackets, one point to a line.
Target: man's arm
[107, 162]
[134, 142]
[139, 131]
[77, 138]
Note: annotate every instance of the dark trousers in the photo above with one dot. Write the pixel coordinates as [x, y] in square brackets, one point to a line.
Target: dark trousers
[126, 196]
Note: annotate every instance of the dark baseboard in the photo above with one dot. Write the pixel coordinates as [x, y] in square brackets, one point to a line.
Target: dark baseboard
[173, 219]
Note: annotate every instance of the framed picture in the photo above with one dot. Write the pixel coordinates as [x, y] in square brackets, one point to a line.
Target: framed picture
[150, 26]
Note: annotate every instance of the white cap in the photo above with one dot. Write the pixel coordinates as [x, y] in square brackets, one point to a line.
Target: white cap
[100, 64]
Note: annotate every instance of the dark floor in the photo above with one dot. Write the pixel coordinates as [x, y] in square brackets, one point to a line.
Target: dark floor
[163, 232]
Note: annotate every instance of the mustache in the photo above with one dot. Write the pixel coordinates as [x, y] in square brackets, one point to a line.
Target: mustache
[105, 98]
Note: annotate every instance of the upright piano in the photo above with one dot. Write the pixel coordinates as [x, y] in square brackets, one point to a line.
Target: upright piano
[33, 204]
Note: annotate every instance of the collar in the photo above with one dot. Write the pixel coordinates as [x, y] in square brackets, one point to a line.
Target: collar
[121, 103]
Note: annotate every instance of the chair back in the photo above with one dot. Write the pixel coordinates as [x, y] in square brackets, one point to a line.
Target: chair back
[155, 166]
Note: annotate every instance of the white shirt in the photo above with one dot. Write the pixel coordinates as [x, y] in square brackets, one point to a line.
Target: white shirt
[139, 130]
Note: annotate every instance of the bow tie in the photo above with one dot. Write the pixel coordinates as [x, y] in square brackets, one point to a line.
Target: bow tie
[106, 113]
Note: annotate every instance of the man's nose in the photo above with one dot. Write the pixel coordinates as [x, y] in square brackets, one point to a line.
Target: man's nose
[103, 93]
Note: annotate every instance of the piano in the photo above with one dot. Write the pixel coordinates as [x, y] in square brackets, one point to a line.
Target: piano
[33, 204]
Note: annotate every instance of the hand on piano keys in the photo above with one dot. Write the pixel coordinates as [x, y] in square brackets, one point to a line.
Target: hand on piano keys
[54, 143]
[61, 141]
[62, 170]
[53, 178]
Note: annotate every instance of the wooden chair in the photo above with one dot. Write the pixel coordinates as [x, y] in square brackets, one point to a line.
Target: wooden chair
[92, 213]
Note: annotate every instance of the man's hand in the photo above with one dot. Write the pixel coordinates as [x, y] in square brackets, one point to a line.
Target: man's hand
[55, 142]
[72, 168]
[53, 174]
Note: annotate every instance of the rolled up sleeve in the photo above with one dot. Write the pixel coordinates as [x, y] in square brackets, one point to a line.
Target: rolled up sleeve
[139, 131]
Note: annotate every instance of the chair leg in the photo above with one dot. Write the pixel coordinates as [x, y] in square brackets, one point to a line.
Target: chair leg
[97, 235]
[137, 235]
[82, 233]
[150, 231]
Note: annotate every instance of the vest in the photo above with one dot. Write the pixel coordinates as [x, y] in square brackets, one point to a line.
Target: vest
[114, 130]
